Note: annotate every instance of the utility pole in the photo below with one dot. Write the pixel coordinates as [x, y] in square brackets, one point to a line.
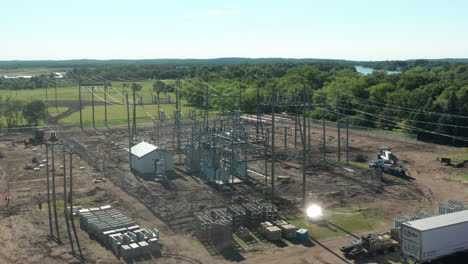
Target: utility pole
[240, 99]
[339, 140]
[105, 103]
[92, 105]
[54, 197]
[130, 139]
[47, 96]
[81, 107]
[304, 149]
[71, 206]
[324, 142]
[65, 209]
[295, 124]
[257, 124]
[266, 135]
[308, 129]
[206, 107]
[134, 133]
[177, 118]
[347, 141]
[273, 102]
[159, 121]
[48, 191]
[56, 105]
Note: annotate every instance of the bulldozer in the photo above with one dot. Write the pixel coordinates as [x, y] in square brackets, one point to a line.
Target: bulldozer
[370, 245]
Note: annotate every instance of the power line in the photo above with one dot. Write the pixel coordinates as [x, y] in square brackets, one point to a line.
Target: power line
[404, 126]
[100, 98]
[409, 109]
[407, 119]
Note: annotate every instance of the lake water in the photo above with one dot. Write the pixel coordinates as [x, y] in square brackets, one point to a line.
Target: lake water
[366, 71]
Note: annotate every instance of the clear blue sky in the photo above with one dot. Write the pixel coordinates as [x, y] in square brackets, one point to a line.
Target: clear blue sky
[147, 29]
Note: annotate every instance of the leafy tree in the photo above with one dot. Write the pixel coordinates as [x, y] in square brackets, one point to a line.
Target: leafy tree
[379, 91]
[159, 87]
[34, 112]
[13, 111]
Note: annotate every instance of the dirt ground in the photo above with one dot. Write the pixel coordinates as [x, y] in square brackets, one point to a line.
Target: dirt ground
[24, 228]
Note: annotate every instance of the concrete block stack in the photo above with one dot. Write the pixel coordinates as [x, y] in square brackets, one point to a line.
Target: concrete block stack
[97, 220]
[119, 233]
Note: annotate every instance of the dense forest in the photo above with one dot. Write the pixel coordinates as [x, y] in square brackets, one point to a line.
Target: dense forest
[429, 98]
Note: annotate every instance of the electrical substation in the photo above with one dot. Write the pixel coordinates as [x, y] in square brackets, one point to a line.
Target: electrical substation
[234, 181]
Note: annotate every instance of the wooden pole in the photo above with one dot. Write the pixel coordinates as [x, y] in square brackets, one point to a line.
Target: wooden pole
[48, 191]
[65, 209]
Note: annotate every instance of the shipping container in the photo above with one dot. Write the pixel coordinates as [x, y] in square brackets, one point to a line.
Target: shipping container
[434, 237]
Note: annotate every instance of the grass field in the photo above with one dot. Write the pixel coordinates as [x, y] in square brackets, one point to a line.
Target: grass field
[337, 222]
[117, 114]
[56, 111]
[68, 91]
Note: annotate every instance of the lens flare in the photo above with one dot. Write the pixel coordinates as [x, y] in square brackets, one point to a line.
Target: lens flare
[314, 211]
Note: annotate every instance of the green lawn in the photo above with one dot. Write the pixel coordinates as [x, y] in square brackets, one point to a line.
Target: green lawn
[337, 222]
[67, 90]
[56, 111]
[117, 114]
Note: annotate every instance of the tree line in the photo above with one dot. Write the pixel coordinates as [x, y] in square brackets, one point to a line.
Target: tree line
[429, 98]
[16, 112]
[431, 102]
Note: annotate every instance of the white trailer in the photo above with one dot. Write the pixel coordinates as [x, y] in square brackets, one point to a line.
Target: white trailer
[434, 237]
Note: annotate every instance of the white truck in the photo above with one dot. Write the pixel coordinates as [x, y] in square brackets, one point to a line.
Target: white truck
[435, 237]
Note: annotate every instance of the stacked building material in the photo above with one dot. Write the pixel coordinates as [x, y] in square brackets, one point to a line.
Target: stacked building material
[213, 226]
[269, 211]
[253, 212]
[450, 206]
[119, 233]
[239, 215]
[264, 226]
[279, 222]
[411, 217]
[288, 231]
[273, 233]
[98, 220]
